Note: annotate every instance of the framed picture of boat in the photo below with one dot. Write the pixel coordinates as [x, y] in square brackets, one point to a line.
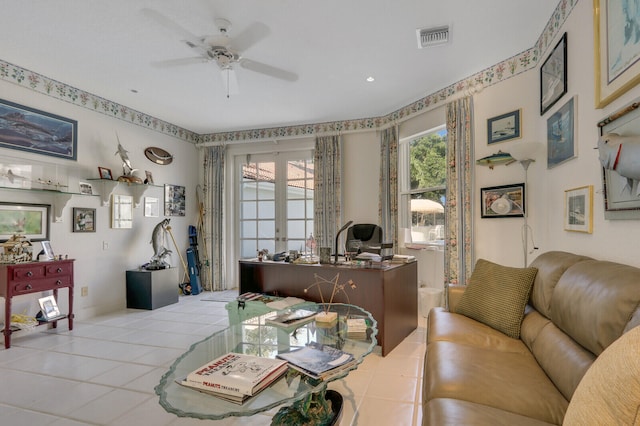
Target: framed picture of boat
[561, 134]
[553, 76]
[504, 127]
[32, 130]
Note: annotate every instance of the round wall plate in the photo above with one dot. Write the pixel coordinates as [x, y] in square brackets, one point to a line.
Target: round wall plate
[158, 155]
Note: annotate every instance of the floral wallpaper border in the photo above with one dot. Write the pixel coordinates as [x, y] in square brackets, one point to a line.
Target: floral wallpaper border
[504, 70]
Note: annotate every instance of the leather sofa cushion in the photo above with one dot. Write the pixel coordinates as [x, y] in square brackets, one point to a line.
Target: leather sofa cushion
[594, 301]
[564, 361]
[447, 326]
[509, 381]
[496, 296]
[445, 411]
[551, 265]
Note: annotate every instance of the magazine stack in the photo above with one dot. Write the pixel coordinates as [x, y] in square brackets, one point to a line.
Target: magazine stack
[319, 361]
[235, 377]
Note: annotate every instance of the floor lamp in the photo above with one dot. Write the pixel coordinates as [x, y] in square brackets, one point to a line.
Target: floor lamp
[525, 153]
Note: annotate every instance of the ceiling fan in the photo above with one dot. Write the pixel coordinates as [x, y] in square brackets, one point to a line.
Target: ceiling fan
[222, 49]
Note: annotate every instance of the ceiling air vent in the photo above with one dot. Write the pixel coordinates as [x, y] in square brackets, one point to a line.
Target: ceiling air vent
[432, 36]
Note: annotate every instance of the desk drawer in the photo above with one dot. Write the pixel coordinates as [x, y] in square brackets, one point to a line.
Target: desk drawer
[40, 285]
[27, 273]
[58, 269]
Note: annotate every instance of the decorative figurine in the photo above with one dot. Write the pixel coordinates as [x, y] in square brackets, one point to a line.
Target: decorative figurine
[622, 155]
[160, 251]
[17, 249]
[127, 169]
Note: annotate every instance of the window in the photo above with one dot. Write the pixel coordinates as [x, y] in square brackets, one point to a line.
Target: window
[276, 203]
[423, 184]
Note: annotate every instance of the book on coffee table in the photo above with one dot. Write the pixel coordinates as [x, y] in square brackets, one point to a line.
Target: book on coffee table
[235, 376]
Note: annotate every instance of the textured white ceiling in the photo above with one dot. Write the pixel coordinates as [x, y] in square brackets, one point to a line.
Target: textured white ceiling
[109, 48]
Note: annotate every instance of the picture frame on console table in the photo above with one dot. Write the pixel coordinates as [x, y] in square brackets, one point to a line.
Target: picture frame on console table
[29, 220]
[48, 250]
[49, 308]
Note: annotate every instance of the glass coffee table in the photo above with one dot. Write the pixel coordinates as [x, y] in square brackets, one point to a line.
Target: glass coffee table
[254, 337]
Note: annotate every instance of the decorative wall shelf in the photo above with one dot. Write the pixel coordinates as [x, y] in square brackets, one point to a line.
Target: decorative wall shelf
[60, 198]
[106, 188]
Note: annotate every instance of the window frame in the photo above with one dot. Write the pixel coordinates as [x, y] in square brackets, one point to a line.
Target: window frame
[404, 180]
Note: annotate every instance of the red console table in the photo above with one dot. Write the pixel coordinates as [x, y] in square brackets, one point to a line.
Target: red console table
[34, 277]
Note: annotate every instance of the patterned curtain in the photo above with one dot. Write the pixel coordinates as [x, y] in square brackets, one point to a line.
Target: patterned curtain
[327, 194]
[388, 204]
[458, 207]
[211, 205]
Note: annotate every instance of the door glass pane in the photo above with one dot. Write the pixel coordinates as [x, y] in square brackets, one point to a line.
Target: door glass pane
[296, 210]
[276, 204]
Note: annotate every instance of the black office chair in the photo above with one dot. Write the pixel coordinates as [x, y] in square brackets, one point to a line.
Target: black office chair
[368, 235]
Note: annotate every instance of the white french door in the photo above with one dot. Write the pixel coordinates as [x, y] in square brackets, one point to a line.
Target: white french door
[275, 197]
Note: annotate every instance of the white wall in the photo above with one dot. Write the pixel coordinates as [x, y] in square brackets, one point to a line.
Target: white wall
[499, 239]
[103, 271]
[361, 176]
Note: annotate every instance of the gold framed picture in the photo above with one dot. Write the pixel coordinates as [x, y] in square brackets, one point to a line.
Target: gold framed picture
[616, 50]
[578, 209]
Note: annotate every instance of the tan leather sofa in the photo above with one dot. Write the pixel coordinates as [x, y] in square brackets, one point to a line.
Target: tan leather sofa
[578, 307]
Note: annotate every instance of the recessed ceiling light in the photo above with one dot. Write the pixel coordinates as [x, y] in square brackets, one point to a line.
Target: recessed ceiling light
[370, 79]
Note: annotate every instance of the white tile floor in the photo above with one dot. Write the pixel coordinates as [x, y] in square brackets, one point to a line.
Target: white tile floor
[105, 370]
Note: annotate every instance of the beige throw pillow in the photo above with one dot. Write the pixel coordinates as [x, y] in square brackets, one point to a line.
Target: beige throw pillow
[497, 295]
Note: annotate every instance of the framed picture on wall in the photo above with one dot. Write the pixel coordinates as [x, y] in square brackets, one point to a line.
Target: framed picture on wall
[37, 131]
[578, 209]
[504, 127]
[502, 201]
[174, 200]
[620, 198]
[84, 220]
[616, 50]
[30, 220]
[561, 134]
[553, 76]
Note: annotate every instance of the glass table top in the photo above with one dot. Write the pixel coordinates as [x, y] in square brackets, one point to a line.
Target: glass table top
[254, 337]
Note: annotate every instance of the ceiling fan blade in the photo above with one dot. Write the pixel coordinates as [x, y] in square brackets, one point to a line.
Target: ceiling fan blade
[179, 62]
[165, 21]
[247, 38]
[268, 70]
[230, 81]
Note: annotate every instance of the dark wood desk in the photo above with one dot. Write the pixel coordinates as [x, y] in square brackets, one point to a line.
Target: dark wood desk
[390, 294]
